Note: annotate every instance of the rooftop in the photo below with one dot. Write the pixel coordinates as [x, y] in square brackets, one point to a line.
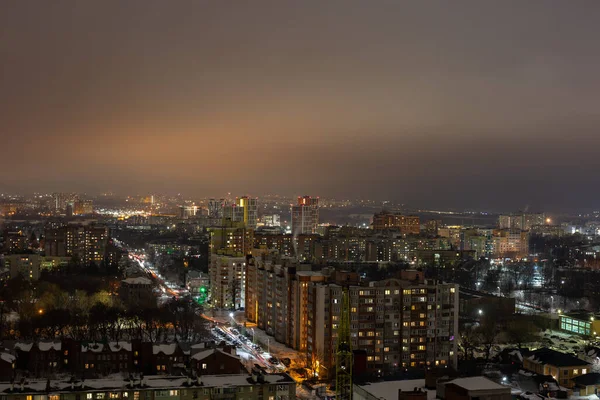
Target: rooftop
[140, 280]
[389, 389]
[477, 383]
[556, 358]
[590, 379]
[151, 382]
[309, 273]
[581, 315]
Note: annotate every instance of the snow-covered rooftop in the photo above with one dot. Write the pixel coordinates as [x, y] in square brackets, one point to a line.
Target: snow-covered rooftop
[477, 383]
[9, 358]
[158, 382]
[93, 347]
[201, 355]
[46, 346]
[166, 349]
[140, 280]
[118, 346]
[389, 389]
[23, 346]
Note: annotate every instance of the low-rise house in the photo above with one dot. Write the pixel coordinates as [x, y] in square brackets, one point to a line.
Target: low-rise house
[216, 362]
[106, 358]
[562, 367]
[98, 359]
[169, 358]
[39, 358]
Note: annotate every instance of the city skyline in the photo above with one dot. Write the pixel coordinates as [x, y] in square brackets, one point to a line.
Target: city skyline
[471, 106]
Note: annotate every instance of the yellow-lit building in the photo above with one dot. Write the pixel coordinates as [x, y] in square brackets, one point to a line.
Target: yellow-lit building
[30, 266]
[250, 206]
[562, 367]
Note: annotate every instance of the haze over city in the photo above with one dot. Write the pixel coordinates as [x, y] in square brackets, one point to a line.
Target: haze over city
[491, 105]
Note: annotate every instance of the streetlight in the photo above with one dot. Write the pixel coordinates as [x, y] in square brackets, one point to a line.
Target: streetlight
[480, 311]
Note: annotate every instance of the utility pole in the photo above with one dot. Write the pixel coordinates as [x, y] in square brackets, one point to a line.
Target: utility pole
[344, 359]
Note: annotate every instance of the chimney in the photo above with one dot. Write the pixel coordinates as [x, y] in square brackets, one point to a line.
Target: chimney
[22, 384]
[189, 380]
[199, 380]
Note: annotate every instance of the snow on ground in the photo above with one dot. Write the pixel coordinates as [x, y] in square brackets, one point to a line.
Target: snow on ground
[590, 397]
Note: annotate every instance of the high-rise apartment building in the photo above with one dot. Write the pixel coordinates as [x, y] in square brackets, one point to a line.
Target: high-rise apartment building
[305, 215]
[510, 243]
[521, 221]
[406, 224]
[277, 299]
[186, 212]
[398, 323]
[87, 243]
[303, 247]
[227, 281]
[250, 210]
[83, 207]
[215, 208]
[232, 239]
[233, 213]
[60, 201]
[272, 220]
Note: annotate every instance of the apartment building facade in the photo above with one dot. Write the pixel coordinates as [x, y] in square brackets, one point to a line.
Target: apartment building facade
[400, 324]
[227, 281]
[86, 242]
[277, 300]
[406, 224]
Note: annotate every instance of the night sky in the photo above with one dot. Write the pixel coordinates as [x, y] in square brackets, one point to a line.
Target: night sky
[488, 104]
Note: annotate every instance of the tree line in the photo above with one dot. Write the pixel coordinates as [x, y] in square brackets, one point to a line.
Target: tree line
[43, 311]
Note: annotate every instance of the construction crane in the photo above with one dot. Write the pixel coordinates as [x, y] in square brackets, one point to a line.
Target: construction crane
[343, 368]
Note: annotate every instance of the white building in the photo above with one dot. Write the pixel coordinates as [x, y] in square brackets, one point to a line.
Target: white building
[227, 281]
